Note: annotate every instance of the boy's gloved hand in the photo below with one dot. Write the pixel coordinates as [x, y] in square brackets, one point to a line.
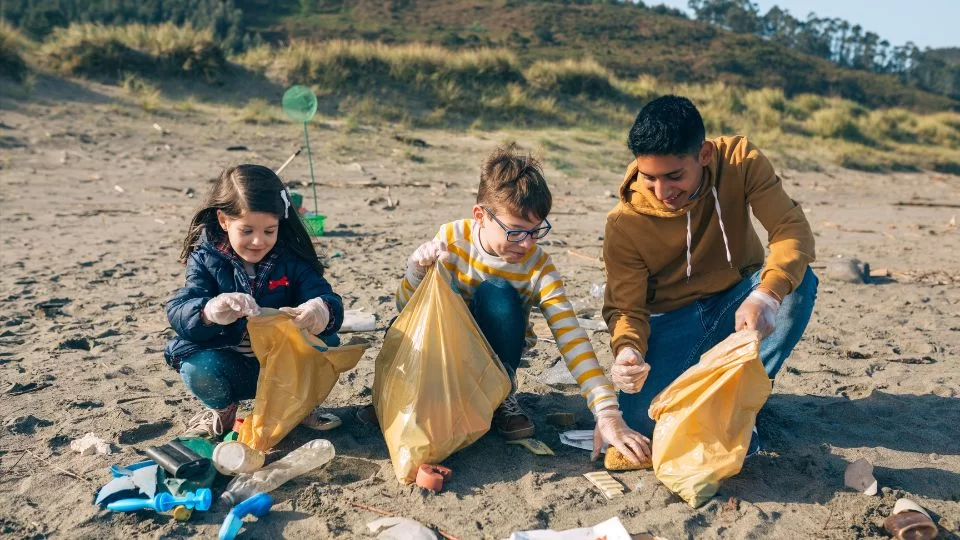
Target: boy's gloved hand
[312, 315]
[629, 371]
[612, 430]
[758, 312]
[425, 256]
[226, 308]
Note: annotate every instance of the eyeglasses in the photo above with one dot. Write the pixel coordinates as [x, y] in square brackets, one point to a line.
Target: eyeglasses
[519, 235]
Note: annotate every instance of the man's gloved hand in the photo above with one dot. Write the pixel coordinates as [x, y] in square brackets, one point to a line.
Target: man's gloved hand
[312, 315]
[425, 256]
[226, 308]
[612, 430]
[629, 371]
[758, 312]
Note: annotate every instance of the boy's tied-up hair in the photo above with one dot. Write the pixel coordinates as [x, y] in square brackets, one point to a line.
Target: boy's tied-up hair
[513, 182]
[251, 188]
[667, 126]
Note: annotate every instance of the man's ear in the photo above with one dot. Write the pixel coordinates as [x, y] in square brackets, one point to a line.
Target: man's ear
[706, 153]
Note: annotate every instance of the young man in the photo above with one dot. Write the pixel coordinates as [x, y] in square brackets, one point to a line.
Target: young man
[501, 273]
[685, 267]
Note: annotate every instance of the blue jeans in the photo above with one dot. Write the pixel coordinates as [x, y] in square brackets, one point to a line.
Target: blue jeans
[502, 317]
[678, 339]
[220, 377]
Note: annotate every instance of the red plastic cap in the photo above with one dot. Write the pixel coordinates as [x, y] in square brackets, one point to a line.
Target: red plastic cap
[432, 476]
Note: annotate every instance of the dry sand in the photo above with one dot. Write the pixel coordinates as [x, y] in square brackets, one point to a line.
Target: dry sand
[92, 213]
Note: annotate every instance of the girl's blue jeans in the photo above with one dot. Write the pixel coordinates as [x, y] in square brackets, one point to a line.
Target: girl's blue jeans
[221, 377]
[678, 339]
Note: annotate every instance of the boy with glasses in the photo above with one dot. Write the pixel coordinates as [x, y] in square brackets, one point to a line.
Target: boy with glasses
[501, 273]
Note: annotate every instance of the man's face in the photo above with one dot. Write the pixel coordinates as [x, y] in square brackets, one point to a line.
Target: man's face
[673, 179]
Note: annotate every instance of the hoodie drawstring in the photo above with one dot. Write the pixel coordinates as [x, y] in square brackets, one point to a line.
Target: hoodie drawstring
[723, 232]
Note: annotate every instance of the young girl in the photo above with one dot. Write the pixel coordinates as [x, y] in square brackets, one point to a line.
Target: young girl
[245, 249]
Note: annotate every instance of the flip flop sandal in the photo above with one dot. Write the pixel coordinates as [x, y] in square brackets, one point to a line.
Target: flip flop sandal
[910, 521]
[321, 421]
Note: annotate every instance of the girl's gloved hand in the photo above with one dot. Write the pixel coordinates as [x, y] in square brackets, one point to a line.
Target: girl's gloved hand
[312, 315]
[758, 312]
[629, 371]
[226, 308]
[612, 430]
[426, 256]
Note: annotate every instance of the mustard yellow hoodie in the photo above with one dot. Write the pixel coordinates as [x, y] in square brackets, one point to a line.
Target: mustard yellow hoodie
[659, 259]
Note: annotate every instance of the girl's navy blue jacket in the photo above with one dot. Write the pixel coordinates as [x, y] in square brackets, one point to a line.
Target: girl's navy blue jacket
[283, 280]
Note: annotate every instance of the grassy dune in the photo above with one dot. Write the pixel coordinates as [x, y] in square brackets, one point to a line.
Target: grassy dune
[432, 86]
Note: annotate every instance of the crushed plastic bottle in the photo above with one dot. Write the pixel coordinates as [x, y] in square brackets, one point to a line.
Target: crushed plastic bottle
[308, 457]
[597, 289]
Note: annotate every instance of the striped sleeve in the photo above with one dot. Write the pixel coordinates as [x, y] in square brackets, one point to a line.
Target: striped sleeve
[574, 345]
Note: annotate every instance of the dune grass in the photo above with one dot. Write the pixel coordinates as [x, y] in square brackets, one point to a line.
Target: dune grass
[13, 45]
[109, 52]
[430, 86]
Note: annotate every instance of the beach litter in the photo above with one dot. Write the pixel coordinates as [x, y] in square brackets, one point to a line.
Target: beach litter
[608, 486]
[90, 444]
[400, 528]
[534, 446]
[909, 521]
[859, 476]
[611, 529]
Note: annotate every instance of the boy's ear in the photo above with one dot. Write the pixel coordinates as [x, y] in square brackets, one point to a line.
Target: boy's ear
[222, 219]
[706, 153]
[478, 212]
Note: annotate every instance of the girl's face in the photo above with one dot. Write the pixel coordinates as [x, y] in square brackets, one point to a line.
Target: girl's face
[252, 235]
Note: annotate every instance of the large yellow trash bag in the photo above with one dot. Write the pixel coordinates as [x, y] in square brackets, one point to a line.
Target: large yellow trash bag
[437, 381]
[297, 372]
[705, 418]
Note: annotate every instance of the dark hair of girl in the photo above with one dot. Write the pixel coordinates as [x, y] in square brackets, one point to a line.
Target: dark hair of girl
[252, 188]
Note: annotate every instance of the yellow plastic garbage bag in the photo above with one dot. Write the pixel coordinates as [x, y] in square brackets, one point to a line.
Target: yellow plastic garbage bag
[705, 418]
[297, 372]
[437, 381]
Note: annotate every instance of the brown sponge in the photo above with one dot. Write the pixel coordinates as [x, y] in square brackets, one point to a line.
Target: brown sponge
[616, 461]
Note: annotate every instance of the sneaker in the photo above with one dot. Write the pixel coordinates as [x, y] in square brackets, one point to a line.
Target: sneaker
[754, 447]
[511, 421]
[212, 423]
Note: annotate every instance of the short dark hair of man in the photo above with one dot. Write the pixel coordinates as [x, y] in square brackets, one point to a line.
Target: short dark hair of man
[667, 126]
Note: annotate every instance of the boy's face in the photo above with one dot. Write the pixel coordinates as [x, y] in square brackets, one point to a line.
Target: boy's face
[493, 238]
[252, 235]
[673, 179]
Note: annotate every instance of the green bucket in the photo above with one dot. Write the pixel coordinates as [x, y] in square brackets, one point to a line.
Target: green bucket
[314, 223]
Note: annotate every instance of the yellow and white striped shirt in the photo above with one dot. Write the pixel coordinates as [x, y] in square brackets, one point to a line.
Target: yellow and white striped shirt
[539, 284]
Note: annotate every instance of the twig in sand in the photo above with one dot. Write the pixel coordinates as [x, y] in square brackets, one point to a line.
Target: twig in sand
[61, 470]
[926, 204]
[579, 255]
[135, 398]
[375, 510]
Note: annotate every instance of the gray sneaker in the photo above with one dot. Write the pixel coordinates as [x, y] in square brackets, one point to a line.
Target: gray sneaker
[212, 423]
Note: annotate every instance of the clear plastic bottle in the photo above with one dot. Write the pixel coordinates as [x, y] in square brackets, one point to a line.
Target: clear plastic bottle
[308, 457]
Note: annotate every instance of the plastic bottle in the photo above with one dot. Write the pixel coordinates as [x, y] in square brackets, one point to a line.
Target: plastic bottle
[302, 460]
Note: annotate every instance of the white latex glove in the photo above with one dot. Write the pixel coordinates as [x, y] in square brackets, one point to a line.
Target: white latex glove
[612, 430]
[629, 371]
[312, 315]
[226, 308]
[758, 312]
[425, 256]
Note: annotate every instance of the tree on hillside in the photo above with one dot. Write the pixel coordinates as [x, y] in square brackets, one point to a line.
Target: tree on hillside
[837, 40]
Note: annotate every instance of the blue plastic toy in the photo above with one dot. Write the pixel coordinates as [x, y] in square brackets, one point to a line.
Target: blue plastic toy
[257, 505]
[164, 502]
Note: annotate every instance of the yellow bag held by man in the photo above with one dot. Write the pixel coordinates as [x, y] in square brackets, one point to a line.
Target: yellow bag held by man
[297, 372]
[437, 381]
[705, 418]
